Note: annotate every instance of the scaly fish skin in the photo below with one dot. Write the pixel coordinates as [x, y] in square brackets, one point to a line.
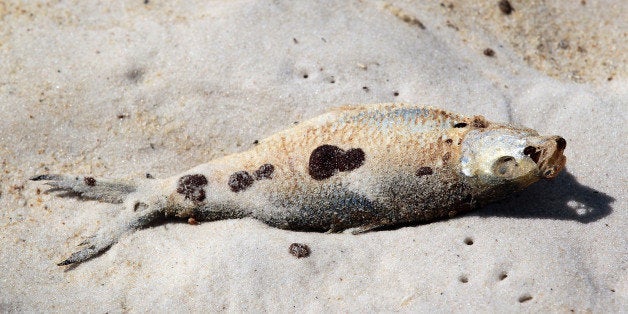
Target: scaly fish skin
[358, 167]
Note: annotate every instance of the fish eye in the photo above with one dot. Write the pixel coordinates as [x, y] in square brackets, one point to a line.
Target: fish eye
[505, 166]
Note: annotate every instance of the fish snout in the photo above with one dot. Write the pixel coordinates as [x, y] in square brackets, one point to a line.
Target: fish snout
[547, 153]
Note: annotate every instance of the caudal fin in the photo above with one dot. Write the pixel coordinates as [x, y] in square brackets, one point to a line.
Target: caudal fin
[107, 236]
[139, 209]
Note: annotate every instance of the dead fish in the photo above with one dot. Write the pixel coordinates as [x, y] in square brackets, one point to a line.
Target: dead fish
[357, 168]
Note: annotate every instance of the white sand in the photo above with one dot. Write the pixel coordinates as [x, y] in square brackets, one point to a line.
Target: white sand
[161, 87]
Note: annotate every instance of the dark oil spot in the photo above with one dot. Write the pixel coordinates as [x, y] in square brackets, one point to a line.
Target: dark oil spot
[265, 171]
[505, 7]
[449, 141]
[326, 160]
[561, 143]
[323, 161]
[352, 159]
[489, 52]
[192, 187]
[89, 181]
[460, 125]
[479, 122]
[299, 250]
[240, 181]
[424, 171]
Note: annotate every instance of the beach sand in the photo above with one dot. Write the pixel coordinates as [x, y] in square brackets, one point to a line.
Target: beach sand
[158, 87]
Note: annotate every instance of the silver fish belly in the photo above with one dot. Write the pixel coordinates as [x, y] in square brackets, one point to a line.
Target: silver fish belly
[360, 167]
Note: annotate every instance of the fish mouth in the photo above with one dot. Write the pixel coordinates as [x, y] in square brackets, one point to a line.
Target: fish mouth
[547, 153]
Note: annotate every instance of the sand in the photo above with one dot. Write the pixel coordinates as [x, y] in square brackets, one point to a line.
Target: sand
[158, 87]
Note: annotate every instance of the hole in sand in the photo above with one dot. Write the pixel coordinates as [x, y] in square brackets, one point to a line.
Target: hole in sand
[468, 241]
[396, 94]
[135, 75]
[463, 279]
[503, 275]
[305, 76]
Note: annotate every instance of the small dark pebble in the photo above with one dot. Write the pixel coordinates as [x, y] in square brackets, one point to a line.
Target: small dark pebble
[505, 7]
[299, 250]
[525, 298]
[89, 181]
[265, 171]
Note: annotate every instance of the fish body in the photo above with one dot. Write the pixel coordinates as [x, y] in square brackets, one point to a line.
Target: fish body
[360, 167]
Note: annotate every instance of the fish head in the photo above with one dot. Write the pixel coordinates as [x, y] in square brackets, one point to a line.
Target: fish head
[513, 157]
